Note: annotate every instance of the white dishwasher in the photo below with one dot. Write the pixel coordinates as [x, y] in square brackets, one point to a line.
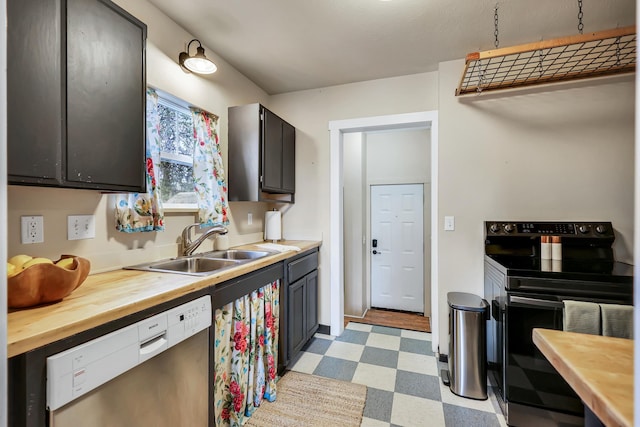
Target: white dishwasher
[151, 373]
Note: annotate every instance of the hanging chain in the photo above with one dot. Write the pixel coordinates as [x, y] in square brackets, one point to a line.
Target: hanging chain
[480, 79]
[540, 61]
[580, 15]
[481, 71]
[495, 25]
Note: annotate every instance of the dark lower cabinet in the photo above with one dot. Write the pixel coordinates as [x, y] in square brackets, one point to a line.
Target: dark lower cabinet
[297, 302]
[302, 302]
[311, 308]
[76, 83]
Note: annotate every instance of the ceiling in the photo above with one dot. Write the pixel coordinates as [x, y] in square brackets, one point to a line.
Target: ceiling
[291, 45]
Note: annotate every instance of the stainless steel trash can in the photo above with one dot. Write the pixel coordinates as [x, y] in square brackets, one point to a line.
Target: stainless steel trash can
[468, 345]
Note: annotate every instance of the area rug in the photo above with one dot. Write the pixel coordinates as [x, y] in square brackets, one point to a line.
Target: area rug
[305, 400]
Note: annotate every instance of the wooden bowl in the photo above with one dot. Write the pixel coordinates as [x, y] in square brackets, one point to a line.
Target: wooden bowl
[46, 283]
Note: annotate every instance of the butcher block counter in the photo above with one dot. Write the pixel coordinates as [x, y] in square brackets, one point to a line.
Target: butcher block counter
[598, 368]
[112, 295]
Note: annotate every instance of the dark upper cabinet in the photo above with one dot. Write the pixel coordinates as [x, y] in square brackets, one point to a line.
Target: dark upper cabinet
[288, 158]
[261, 155]
[76, 95]
[271, 152]
[34, 97]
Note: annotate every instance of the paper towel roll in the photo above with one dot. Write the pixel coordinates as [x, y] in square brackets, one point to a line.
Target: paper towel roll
[272, 225]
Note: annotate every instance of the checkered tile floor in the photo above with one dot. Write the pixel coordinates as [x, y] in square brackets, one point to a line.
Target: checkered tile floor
[402, 378]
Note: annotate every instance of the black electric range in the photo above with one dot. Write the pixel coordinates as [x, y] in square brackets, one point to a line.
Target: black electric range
[526, 290]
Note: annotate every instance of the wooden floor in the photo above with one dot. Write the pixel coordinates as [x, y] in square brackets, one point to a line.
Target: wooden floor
[394, 319]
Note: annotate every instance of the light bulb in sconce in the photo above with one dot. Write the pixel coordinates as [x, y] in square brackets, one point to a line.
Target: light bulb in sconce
[197, 63]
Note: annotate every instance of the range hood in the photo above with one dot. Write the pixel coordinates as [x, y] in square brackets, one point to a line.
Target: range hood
[581, 56]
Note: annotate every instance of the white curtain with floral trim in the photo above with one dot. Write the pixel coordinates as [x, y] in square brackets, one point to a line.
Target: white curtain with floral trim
[208, 172]
[143, 211]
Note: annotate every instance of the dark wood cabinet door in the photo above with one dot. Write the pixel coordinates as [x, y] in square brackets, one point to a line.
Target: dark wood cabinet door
[296, 319]
[271, 152]
[311, 312]
[105, 96]
[288, 158]
[34, 91]
[261, 155]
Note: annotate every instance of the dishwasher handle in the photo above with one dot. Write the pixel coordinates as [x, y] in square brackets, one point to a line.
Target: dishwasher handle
[153, 346]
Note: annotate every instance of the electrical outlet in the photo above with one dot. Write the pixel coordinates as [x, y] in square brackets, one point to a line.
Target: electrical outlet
[32, 229]
[249, 218]
[81, 227]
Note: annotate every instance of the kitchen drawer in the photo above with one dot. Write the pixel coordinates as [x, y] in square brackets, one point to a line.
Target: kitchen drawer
[302, 266]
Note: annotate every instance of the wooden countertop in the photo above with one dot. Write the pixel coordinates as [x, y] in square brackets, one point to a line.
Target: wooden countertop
[109, 296]
[599, 369]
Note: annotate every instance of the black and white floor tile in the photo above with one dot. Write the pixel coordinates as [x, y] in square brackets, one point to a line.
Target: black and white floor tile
[402, 378]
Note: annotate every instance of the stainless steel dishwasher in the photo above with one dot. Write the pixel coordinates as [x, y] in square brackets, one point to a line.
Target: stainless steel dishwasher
[151, 373]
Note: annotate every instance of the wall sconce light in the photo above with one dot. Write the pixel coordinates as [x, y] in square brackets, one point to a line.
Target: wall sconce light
[197, 63]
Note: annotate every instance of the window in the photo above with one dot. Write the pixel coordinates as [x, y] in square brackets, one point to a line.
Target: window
[176, 154]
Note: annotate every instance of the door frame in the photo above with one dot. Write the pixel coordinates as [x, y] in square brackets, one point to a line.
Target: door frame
[337, 129]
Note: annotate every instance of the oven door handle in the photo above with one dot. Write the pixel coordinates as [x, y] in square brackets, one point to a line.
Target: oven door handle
[495, 310]
[537, 302]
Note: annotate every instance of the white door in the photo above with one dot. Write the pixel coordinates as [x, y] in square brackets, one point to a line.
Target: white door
[396, 247]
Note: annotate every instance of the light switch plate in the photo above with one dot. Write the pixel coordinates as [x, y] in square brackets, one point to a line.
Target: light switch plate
[81, 227]
[32, 229]
[449, 223]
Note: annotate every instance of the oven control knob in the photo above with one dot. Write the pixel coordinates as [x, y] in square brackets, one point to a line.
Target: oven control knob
[494, 228]
[508, 228]
[584, 229]
[601, 229]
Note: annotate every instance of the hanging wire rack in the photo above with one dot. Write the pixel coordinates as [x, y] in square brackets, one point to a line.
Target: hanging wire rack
[581, 56]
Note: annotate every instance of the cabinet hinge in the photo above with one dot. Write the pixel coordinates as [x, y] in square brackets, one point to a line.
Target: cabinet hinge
[260, 179]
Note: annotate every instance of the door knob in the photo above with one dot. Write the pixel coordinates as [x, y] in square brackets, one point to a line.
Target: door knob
[375, 252]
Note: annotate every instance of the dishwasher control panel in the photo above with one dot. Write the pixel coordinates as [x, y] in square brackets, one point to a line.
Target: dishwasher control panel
[76, 371]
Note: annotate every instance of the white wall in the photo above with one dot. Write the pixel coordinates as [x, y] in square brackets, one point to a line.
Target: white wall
[555, 153]
[310, 112]
[398, 156]
[111, 249]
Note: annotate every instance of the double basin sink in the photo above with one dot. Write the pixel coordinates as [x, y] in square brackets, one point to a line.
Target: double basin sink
[203, 264]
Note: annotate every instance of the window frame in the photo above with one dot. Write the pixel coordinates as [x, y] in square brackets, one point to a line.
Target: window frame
[178, 104]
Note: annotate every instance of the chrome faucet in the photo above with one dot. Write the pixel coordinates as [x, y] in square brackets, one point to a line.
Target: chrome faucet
[189, 246]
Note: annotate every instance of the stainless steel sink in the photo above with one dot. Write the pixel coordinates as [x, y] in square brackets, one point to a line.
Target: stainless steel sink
[193, 265]
[237, 254]
[203, 264]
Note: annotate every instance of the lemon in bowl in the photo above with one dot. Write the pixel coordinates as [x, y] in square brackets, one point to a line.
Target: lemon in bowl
[40, 280]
